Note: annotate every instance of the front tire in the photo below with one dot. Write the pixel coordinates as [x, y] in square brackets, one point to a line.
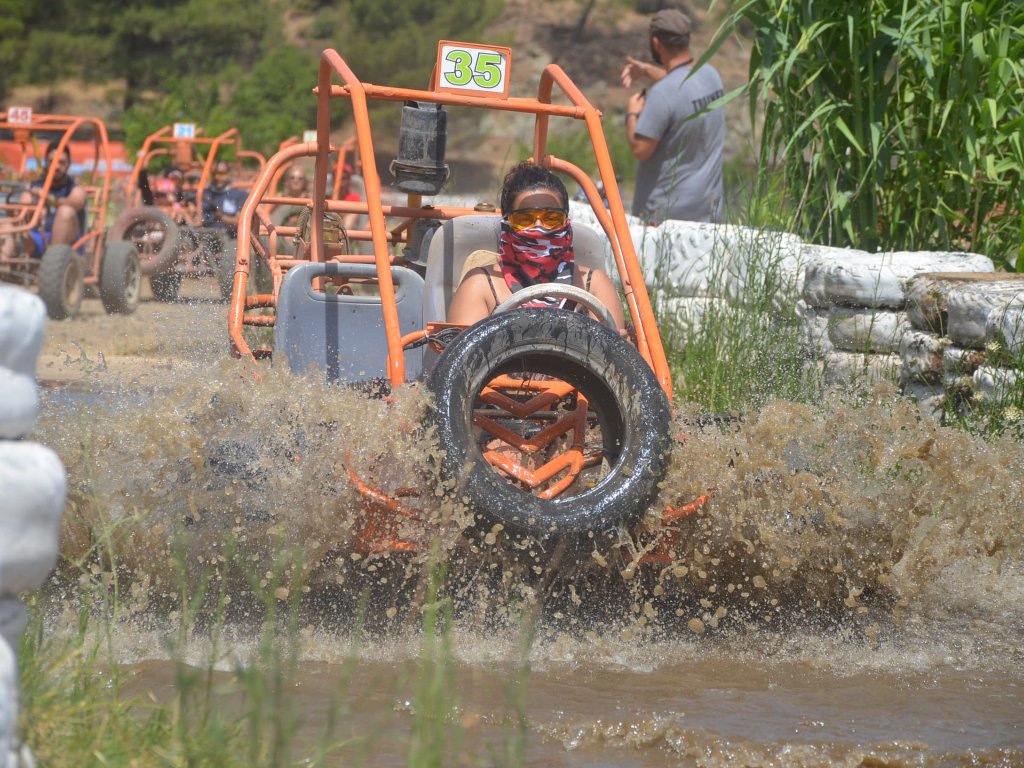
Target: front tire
[61, 283]
[165, 286]
[120, 278]
[624, 404]
[153, 233]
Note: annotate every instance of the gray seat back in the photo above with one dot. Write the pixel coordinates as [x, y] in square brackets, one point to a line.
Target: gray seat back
[343, 335]
[457, 238]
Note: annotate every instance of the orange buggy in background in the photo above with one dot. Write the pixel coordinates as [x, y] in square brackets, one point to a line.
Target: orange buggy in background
[96, 258]
[168, 232]
[551, 423]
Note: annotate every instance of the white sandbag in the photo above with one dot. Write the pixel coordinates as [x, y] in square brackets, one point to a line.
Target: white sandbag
[33, 487]
[19, 403]
[22, 323]
[880, 279]
[867, 330]
[921, 357]
[971, 306]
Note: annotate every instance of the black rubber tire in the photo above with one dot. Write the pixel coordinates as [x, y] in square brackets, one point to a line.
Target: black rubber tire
[632, 409]
[135, 224]
[165, 286]
[226, 264]
[61, 283]
[120, 278]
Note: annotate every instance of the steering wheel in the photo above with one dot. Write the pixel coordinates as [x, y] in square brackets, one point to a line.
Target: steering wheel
[556, 290]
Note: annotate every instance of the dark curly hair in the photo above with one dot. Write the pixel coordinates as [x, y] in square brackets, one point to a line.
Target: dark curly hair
[526, 175]
[52, 147]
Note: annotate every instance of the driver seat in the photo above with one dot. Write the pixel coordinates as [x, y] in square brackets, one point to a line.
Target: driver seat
[451, 244]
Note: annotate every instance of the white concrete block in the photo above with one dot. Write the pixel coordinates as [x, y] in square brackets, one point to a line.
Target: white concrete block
[33, 487]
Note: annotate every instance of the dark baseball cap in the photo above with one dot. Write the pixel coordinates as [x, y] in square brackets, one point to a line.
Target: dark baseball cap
[671, 21]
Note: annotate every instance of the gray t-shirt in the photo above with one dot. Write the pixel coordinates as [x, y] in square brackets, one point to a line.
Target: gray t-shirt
[683, 178]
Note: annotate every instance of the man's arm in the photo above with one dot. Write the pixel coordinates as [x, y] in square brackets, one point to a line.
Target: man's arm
[641, 146]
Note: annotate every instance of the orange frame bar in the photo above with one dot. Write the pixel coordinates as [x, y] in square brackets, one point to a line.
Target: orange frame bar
[331, 65]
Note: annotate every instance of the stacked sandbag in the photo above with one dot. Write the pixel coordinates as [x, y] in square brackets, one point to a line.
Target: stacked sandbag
[692, 267]
[854, 308]
[967, 335]
[32, 488]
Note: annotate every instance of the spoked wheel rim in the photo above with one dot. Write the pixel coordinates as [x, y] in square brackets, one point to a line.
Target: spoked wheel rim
[148, 238]
[550, 423]
[542, 435]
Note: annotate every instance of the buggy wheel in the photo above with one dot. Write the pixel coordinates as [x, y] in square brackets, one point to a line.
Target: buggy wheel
[61, 282]
[120, 278]
[165, 286]
[551, 424]
[226, 263]
[153, 233]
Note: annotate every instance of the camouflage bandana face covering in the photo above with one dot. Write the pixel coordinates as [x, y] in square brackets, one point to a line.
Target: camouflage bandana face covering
[535, 256]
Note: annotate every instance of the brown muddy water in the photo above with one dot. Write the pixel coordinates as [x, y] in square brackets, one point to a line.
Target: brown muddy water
[852, 595]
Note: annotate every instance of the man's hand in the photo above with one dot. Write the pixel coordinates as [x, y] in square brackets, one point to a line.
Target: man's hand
[636, 69]
[636, 102]
[633, 71]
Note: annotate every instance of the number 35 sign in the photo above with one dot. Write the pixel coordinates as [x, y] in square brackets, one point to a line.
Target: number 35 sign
[474, 70]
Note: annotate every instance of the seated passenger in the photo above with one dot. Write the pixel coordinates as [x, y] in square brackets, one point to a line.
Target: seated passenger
[169, 187]
[64, 218]
[535, 246]
[295, 185]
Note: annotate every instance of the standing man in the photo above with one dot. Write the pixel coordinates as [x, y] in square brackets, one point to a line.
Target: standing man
[679, 146]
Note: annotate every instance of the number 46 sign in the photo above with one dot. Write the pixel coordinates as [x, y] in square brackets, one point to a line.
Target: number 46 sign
[474, 70]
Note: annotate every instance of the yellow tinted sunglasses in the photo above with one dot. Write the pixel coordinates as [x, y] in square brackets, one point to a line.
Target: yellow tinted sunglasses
[549, 218]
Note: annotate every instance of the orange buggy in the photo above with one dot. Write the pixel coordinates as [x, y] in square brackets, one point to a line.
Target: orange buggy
[167, 231]
[62, 270]
[551, 423]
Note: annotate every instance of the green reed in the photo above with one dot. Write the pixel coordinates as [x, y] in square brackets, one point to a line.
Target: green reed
[741, 346]
[896, 124]
[225, 708]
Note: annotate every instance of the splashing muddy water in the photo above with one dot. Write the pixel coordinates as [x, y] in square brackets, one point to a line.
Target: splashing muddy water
[853, 593]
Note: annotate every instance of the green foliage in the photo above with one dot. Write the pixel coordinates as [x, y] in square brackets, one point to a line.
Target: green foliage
[395, 41]
[275, 100]
[897, 124]
[222, 63]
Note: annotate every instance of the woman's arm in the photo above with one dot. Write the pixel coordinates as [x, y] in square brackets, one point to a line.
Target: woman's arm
[472, 300]
[604, 291]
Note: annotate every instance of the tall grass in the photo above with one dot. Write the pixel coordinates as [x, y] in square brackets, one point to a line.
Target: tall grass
[234, 705]
[897, 123]
[741, 346]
